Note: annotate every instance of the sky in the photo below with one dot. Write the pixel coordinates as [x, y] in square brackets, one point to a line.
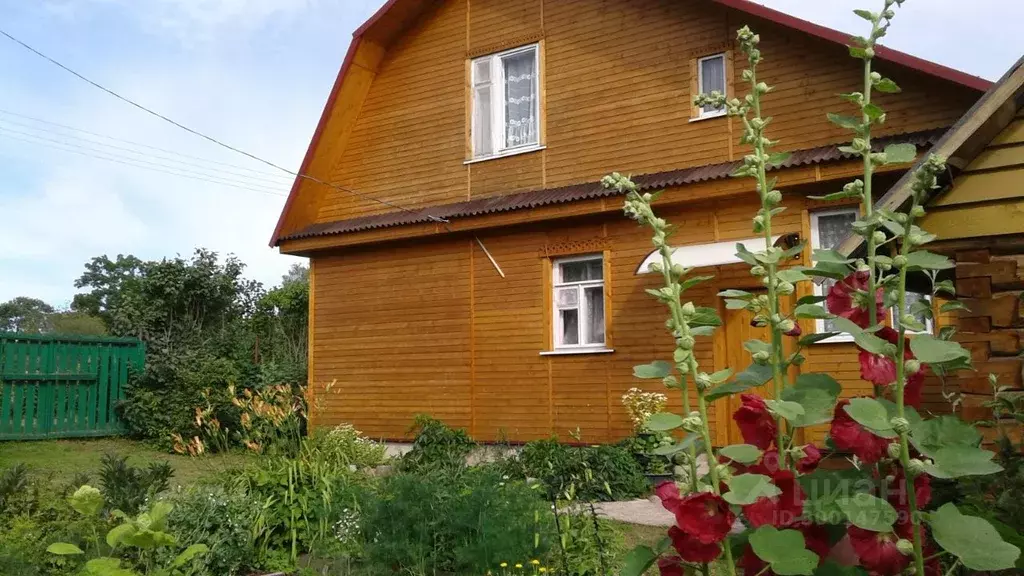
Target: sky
[254, 74]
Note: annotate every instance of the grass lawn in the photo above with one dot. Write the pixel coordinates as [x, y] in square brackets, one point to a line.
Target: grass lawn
[66, 458]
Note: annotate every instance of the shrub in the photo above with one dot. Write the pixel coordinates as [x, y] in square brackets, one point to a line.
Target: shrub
[437, 446]
[449, 520]
[127, 488]
[220, 517]
[585, 472]
[344, 446]
[588, 551]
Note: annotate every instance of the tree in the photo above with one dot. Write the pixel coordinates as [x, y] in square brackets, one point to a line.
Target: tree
[24, 314]
[298, 272]
[106, 280]
[77, 323]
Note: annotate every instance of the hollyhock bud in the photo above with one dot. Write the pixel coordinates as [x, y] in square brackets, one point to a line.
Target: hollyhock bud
[724, 472]
[912, 366]
[917, 211]
[758, 271]
[786, 288]
[906, 547]
[915, 467]
[894, 450]
[900, 425]
[900, 261]
[876, 77]
[655, 267]
[787, 326]
[686, 342]
[689, 309]
[878, 236]
[774, 197]
[761, 356]
[703, 381]
[869, 52]
[678, 270]
[692, 424]
[647, 197]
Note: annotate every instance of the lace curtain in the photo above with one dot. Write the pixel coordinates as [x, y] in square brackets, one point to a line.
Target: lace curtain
[832, 229]
[712, 79]
[520, 99]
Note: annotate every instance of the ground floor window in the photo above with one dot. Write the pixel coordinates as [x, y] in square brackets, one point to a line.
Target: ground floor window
[578, 302]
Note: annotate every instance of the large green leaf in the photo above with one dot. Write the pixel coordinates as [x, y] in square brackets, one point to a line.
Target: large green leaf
[792, 275]
[811, 311]
[958, 461]
[655, 370]
[925, 260]
[663, 422]
[106, 567]
[755, 375]
[742, 453]
[872, 415]
[818, 394]
[641, 558]
[929, 436]
[888, 86]
[705, 316]
[830, 256]
[864, 338]
[823, 489]
[685, 443]
[788, 410]
[189, 554]
[117, 534]
[869, 512]
[931, 350]
[784, 550]
[971, 539]
[64, 549]
[747, 488]
[900, 153]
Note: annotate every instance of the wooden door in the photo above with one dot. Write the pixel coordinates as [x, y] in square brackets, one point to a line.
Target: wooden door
[737, 331]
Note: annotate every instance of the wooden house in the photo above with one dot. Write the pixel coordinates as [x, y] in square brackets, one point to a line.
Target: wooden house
[978, 218]
[465, 261]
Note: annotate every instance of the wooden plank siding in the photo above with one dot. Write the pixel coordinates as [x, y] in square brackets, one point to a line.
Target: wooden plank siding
[616, 93]
[430, 326]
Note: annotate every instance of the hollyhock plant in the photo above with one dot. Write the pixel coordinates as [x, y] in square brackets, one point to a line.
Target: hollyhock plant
[691, 548]
[878, 551]
[848, 299]
[848, 435]
[761, 477]
[779, 510]
[705, 516]
[756, 424]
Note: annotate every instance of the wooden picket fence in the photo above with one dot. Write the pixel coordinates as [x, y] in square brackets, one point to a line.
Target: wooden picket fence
[64, 386]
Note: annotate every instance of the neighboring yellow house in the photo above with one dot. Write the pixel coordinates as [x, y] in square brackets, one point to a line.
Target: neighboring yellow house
[979, 220]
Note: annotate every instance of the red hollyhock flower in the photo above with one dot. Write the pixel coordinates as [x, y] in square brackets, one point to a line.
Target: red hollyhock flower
[691, 548]
[877, 551]
[850, 436]
[780, 510]
[705, 517]
[881, 370]
[757, 426]
[896, 493]
[668, 492]
[670, 566]
[751, 564]
[841, 299]
[809, 463]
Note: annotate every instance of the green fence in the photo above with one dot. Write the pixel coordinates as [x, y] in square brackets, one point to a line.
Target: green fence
[63, 386]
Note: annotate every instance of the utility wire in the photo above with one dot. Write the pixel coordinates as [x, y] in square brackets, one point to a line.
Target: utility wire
[127, 163]
[124, 141]
[175, 164]
[6, 131]
[212, 139]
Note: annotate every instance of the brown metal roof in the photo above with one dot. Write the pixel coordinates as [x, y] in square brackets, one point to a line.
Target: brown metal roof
[588, 190]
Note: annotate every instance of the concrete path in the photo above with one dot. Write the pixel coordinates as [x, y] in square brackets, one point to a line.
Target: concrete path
[648, 512]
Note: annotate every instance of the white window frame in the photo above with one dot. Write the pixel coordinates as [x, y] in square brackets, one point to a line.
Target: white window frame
[582, 314]
[819, 289]
[700, 84]
[498, 128]
[929, 323]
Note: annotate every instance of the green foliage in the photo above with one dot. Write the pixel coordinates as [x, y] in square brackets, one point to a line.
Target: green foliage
[344, 446]
[868, 512]
[748, 488]
[33, 316]
[437, 446]
[588, 473]
[446, 520]
[220, 516]
[591, 547]
[784, 550]
[973, 540]
[127, 488]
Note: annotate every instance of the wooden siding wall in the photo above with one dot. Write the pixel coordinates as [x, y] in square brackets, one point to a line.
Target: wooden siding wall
[616, 94]
[431, 327]
[980, 223]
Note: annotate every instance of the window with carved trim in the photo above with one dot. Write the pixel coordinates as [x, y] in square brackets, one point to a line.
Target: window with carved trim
[828, 229]
[578, 303]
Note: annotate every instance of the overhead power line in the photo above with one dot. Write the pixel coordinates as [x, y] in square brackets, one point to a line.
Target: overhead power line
[144, 158]
[212, 139]
[127, 162]
[125, 141]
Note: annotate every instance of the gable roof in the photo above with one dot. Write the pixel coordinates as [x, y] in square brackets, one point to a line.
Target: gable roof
[396, 15]
[962, 143]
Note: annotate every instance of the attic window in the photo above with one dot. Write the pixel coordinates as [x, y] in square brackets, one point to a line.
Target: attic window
[506, 102]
